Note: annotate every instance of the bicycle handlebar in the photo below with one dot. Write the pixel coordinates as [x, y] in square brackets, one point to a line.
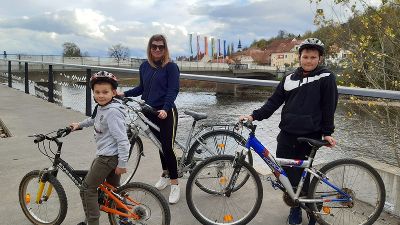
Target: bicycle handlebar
[144, 107]
[246, 123]
[39, 138]
[60, 133]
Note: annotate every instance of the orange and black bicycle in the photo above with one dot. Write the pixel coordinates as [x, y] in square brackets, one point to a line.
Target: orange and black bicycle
[43, 199]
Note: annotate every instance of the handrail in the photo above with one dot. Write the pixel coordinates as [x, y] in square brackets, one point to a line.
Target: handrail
[366, 92]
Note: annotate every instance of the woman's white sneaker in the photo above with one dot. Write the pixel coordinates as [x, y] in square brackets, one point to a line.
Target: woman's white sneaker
[175, 194]
[162, 183]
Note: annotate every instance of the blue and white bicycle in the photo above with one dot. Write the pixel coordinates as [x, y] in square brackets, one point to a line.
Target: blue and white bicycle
[344, 191]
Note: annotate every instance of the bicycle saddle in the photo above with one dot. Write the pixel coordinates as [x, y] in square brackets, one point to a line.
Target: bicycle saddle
[196, 116]
[313, 142]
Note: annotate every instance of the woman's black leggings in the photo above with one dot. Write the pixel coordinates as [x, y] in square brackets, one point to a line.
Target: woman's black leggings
[166, 136]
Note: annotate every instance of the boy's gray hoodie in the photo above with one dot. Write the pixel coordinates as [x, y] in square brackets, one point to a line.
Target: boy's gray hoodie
[110, 131]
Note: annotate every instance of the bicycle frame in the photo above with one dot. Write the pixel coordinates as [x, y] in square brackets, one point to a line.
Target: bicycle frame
[77, 177]
[275, 164]
[144, 124]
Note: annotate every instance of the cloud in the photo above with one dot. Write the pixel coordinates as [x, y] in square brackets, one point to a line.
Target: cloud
[40, 27]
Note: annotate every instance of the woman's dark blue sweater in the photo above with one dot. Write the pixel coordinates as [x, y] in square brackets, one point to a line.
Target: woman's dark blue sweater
[158, 86]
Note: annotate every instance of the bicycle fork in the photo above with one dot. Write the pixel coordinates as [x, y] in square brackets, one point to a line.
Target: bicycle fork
[237, 165]
[43, 178]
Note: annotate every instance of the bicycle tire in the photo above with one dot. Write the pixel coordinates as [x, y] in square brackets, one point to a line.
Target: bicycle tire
[144, 207]
[212, 138]
[135, 154]
[206, 210]
[29, 205]
[360, 189]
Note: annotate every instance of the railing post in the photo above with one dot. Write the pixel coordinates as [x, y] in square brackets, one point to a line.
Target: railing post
[26, 79]
[9, 74]
[50, 84]
[88, 93]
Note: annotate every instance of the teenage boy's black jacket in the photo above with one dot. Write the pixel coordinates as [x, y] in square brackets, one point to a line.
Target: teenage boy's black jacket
[310, 102]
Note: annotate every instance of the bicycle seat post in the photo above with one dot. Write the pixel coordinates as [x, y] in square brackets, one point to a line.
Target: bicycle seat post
[312, 154]
[190, 134]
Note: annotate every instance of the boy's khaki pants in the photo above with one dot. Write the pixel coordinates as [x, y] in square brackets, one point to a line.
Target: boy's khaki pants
[103, 167]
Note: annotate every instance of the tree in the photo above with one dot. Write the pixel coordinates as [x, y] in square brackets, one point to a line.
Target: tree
[71, 50]
[372, 35]
[118, 52]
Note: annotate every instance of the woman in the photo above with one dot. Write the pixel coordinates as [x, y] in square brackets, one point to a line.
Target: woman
[159, 86]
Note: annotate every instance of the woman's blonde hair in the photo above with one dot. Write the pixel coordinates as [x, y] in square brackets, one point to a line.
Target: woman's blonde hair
[165, 59]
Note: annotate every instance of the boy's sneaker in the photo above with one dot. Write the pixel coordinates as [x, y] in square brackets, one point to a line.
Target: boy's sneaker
[175, 194]
[295, 216]
[162, 183]
[125, 221]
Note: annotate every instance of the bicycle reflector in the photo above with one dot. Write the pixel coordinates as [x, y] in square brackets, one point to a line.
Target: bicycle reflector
[221, 145]
[228, 218]
[223, 180]
[27, 198]
[326, 209]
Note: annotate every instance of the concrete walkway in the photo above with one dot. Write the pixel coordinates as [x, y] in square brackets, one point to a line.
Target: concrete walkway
[25, 114]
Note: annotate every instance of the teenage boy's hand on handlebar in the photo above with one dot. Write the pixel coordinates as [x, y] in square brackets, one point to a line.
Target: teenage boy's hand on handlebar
[120, 171]
[246, 118]
[331, 140]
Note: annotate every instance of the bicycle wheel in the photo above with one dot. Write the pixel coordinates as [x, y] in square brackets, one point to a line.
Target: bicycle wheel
[216, 172]
[135, 153]
[359, 180]
[146, 202]
[50, 209]
[222, 142]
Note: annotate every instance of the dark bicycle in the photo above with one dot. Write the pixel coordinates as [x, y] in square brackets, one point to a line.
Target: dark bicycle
[43, 199]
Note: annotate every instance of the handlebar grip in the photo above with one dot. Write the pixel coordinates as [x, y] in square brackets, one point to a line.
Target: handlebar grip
[126, 100]
[40, 138]
[150, 109]
[63, 132]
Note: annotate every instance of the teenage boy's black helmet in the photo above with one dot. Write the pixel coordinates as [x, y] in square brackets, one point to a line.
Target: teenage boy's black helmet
[312, 43]
[105, 77]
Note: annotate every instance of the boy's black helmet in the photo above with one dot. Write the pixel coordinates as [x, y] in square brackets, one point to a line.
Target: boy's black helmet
[105, 77]
[312, 43]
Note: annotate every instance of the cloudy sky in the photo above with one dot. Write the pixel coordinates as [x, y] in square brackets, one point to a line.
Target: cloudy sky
[42, 26]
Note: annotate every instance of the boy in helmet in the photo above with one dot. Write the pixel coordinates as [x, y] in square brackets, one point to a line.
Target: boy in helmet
[310, 96]
[108, 120]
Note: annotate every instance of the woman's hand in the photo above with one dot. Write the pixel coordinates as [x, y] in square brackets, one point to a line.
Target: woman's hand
[162, 114]
[120, 94]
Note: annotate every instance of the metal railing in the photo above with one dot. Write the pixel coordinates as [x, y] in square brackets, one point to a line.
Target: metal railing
[375, 93]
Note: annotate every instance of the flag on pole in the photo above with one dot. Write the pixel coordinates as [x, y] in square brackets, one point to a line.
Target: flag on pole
[224, 48]
[219, 48]
[205, 45]
[212, 47]
[198, 48]
[190, 43]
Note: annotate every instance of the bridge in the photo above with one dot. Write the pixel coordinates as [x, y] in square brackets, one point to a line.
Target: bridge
[192, 67]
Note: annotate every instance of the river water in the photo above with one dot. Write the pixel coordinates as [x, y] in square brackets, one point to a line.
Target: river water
[358, 135]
